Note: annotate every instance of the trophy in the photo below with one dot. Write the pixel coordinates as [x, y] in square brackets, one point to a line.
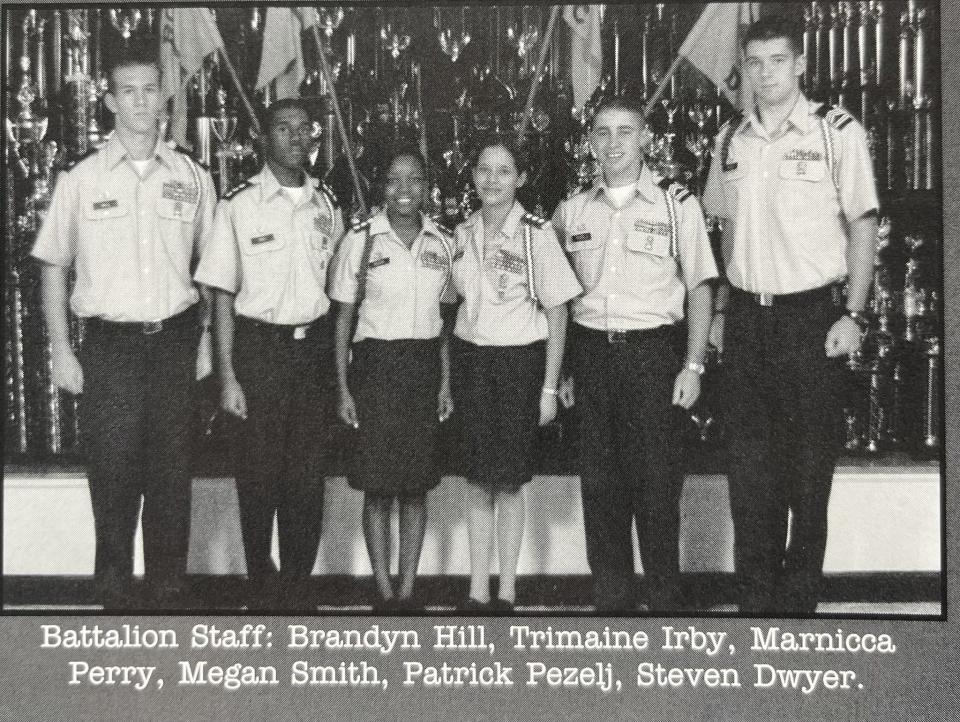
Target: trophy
[452, 39]
[78, 82]
[931, 406]
[126, 22]
[224, 126]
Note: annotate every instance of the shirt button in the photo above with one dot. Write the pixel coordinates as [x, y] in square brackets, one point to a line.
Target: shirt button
[613, 269]
[146, 269]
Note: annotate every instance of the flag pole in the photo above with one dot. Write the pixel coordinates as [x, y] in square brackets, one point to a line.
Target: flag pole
[662, 87]
[535, 83]
[341, 128]
[240, 91]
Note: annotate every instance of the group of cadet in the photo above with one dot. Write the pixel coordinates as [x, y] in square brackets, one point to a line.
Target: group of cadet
[474, 322]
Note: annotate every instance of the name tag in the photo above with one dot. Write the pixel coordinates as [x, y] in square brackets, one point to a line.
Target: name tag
[105, 205]
[261, 239]
[580, 238]
[807, 170]
[177, 191]
[323, 224]
[379, 262]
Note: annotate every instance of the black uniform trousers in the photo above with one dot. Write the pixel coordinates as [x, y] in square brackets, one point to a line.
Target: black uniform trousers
[783, 431]
[629, 462]
[281, 450]
[135, 422]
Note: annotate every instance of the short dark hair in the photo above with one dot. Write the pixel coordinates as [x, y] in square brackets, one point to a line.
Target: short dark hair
[517, 151]
[774, 27]
[268, 115]
[404, 149]
[130, 54]
[620, 102]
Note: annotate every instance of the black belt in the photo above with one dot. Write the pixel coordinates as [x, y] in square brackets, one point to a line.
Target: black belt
[282, 330]
[627, 336]
[815, 296]
[178, 321]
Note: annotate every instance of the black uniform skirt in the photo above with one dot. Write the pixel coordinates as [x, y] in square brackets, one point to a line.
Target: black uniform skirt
[395, 386]
[497, 396]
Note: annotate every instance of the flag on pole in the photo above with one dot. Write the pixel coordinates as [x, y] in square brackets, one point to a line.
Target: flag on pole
[282, 56]
[713, 47]
[586, 53]
[187, 37]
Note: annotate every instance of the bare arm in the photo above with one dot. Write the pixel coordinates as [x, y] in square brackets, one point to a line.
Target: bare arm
[686, 388]
[346, 407]
[844, 335]
[556, 343]
[445, 397]
[232, 398]
[67, 373]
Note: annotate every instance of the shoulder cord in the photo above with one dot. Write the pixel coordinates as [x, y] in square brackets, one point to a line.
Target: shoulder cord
[674, 228]
[362, 278]
[829, 152]
[528, 248]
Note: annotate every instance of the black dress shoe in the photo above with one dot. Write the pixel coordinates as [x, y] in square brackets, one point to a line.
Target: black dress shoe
[501, 606]
[385, 606]
[473, 606]
[410, 605]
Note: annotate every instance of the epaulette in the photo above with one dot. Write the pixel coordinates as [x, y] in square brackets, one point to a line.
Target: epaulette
[330, 194]
[440, 221]
[533, 220]
[732, 122]
[837, 117]
[357, 225]
[184, 151]
[90, 152]
[726, 137]
[236, 189]
[677, 190]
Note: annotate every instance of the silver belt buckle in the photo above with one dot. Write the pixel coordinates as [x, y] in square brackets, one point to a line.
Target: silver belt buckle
[300, 333]
[616, 336]
[152, 327]
[765, 299]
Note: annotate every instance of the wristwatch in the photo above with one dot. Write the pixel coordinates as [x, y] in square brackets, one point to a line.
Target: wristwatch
[698, 368]
[858, 318]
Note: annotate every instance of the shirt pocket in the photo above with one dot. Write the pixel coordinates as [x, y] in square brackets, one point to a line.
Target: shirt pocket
[507, 271]
[806, 196]
[262, 241]
[385, 278]
[734, 182]
[106, 232]
[175, 220]
[648, 254]
[586, 257]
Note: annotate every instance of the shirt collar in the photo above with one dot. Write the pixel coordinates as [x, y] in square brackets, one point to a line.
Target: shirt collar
[510, 223]
[645, 186]
[269, 185]
[799, 116]
[116, 151]
[381, 224]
